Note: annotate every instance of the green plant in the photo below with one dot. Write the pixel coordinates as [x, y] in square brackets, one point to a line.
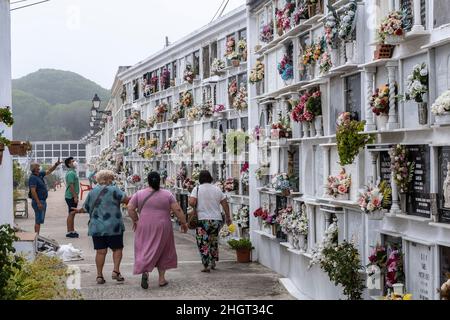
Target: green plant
[6, 116]
[9, 263]
[342, 264]
[236, 141]
[350, 141]
[314, 104]
[4, 141]
[240, 244]
[18, 176]
[386, 191]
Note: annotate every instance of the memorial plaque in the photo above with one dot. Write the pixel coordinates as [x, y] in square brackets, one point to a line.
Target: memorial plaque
[420, 282]
[419, 202]
[385, 167]
[353, 95]
[443, 203]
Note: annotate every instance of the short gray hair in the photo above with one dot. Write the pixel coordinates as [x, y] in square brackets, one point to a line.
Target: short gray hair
[33, 166]
[104, 176]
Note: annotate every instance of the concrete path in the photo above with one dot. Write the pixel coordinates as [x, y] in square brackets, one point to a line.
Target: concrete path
[230, 281]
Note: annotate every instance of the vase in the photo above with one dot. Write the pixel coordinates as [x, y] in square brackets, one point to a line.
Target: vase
[288, 82]
[301, 245]
[335, 58]
[291, 239]
[260, 223]
[286, 192]
[312, 10]
[394, 40]
[343, 197]
[280, 32]
[443, 118]
[258, 47]
[376, 215]
[236, 63]
[422, 109]
[318, 125]
[282, 141]
[305, 126]
[259, 88]
[274, 230]
[350, 51]
[312, 130]
[382, 121]
[311, 68]
[403, 202]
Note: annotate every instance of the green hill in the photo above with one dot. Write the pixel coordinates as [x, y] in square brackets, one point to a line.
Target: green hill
[56, 86]
[56, 107]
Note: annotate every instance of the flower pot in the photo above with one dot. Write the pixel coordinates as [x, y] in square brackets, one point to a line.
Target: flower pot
[258, 47]
[312, 10]
[376, 215]
[382, 121]
[243, 255]
[305, 126]
[236, 63]
[310, 71]
[286, 193]
[18, 148]
[312, 130]
[274, 230]
[403, 202]
[260, 223]
[443, 118]
[384, 51]
[259, 88]
[288, 82]
[291, 239]
[394, 40]
[350, 51]
[302, 243]
[318, 125]
[423, 113]
[343, 197]
[280, 32]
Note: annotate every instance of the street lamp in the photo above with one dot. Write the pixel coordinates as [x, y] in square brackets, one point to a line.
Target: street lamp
[96, 103]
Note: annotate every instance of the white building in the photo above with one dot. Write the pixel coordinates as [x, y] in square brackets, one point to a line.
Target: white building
[416, 225]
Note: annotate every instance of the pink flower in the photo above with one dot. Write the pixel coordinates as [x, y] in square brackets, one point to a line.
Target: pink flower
[342, 189]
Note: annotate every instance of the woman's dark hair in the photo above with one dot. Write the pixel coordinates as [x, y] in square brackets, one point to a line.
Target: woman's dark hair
[205, 177]
[154, 180]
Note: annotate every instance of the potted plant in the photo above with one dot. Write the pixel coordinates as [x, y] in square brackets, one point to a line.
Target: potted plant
[402, 172]
[19, 148]
[416, 89]
[243, 249]
[257, 76]
[338, 187]
[371, 202]
[281, 183]
[441, 108]
[266, 34]
[240, 100]
[189, 75]
[286, 69]
[379, 103]
[346, 30]
[217, 66]
[231, 185]
[314, 106]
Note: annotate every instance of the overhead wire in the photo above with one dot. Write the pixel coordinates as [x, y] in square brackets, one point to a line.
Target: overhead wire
[28, 5]
[223, 1]
[223, 9]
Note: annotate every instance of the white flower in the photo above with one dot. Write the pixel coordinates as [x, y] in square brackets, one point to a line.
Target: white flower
[370, 207]
[424, 72]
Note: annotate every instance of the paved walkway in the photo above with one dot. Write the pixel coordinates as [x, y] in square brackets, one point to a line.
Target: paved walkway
[230, 281]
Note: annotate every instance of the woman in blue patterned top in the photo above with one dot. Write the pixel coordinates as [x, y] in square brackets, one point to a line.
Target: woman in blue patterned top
[106, 224]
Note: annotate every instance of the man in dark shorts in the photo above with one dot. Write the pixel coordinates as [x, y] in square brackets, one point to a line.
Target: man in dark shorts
[39, 193]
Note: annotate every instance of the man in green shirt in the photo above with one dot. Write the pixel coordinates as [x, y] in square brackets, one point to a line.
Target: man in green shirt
[72, 192]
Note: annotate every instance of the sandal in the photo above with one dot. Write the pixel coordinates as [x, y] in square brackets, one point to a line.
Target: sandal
[144, 281]
[213, 265]
[206, 270]
[118, 276]
[100, 280]
[164, 284]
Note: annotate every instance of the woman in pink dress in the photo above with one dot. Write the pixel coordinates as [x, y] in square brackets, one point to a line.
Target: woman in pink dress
[154, 243]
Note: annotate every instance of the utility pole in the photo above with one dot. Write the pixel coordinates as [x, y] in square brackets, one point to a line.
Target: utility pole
[6, 168]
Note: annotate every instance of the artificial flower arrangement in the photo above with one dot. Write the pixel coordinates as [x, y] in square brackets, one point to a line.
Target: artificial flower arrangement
[147, 89]
[257, 133]
[300, 113]
[218, 108]
[300, 13]
[188, 74]
[207, 109]
[194, 113]
[283, 16]
[262, 212]
[195, 174]
[241, 217]
[318, 49]
[325, 63]
[392, 26]
[230, 185]
[266, 32]
[338, 185]
[284, 219]
[281, 129]
[168, 147]
[379, 101]
[402, 169]
[188, 184]
[177, 114]
[370, 199]
[217, 66]
[186, 99]
[232, 88]
[165, 78]
[262, 171]
[281, 182]
[300, 226]
[170, 183]
[285, 68]
[220, 184]
[245, 174]
[231, 53]
[257, 73]
[442, 104]
[242, 46]
[213, 145]
[236, 141]
[151, 121]
[240, 101]
[182, 174]
[417, 84]
[348, 22]
[134, 179]
[160, 110]
[293, 222]
[308, 55]
[314, 105]
[331, 26]
[390, 263]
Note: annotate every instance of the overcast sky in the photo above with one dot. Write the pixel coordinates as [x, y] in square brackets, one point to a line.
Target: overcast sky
[94, 37]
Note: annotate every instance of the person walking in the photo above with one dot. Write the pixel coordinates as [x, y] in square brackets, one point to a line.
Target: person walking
[208, 199]
[71, 195]
[106, 225]
[39, 193]
[154, 244]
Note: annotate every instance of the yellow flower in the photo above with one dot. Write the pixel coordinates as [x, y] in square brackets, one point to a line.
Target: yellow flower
[407, 296]
[232, 228]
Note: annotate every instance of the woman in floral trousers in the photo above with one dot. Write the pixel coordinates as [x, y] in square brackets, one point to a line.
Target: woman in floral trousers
[209, 199]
